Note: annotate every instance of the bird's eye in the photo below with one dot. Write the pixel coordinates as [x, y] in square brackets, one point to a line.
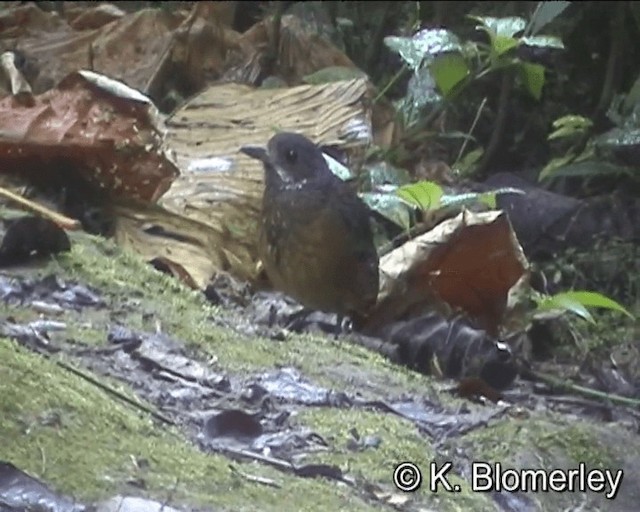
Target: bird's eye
[291, 156]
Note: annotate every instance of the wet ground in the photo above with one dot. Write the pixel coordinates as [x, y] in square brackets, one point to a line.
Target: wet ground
[119, 381]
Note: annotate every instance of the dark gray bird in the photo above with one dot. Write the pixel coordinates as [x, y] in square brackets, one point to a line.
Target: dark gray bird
[315, 240]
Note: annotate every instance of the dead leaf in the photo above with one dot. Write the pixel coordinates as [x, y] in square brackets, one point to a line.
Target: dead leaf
[27, 20]
[468, 263]
[164, 264]
[222, 13]
[474, 387]
[300, 52]
[107, 133]
[151, 50]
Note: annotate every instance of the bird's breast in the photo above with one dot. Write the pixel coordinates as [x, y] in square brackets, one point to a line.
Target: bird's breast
[310, 253]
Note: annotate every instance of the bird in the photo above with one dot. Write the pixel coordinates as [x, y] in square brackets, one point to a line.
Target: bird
[315, 238]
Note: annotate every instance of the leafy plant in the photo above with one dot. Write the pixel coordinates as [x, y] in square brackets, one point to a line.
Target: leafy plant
[577, 302]
[443, 66]
[428, 196]
[573, 129]
[590, 155]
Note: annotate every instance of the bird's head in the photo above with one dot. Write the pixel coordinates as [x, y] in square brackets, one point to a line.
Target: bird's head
[290, 158]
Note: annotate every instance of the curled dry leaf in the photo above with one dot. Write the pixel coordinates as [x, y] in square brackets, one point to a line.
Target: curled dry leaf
[105, 132]
[301, 53]
[468, 263]
[446, 347]
[222, 13]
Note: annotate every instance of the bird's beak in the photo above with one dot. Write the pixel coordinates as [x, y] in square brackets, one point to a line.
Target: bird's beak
[257, 152]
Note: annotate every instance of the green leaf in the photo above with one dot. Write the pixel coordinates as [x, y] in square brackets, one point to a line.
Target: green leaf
[488, 198]
[591, 168]
[564, 303]
[337, 168]
[422, 93]
[390, 206]
[506, 27]
[573, 121]
[545, 13]
[632, 98]
[543, 42]
[448, 71]
[635, 12]
[455, 135]
[533, 78]
[502, 44]
[588, 154]
[424, 45]
[617, 138]
[425, 195]
[578, 301]
[383, 174]
[570, 125]
[469, 160]
[556, 163]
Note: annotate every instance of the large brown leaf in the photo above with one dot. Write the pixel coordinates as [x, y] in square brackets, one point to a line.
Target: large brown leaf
[98, 128]
[467, 264]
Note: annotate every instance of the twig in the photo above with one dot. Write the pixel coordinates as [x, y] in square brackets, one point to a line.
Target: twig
[419, 229]
[582, 390]
[501, 117]
[616, 35]
[473, 127]
[390, 84]
[253, 478]
[157, 75]
[115, 393]
[375, 45]
[273, 49]
[239, 453]
[61, 220]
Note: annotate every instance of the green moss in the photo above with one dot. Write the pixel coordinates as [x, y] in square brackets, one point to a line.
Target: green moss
[83, 443]
[141, 298]
[559, 442]
[400, 442]
[577, 444]
[68, 432]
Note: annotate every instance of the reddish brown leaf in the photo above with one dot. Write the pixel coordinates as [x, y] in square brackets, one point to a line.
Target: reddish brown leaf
[474, 387]
[466, 264]
[107, 138]
[168, 266]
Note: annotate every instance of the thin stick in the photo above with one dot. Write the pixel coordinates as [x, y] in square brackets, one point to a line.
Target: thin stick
[473, 127]
[61, 220]
[585, 391]
[115, 393]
